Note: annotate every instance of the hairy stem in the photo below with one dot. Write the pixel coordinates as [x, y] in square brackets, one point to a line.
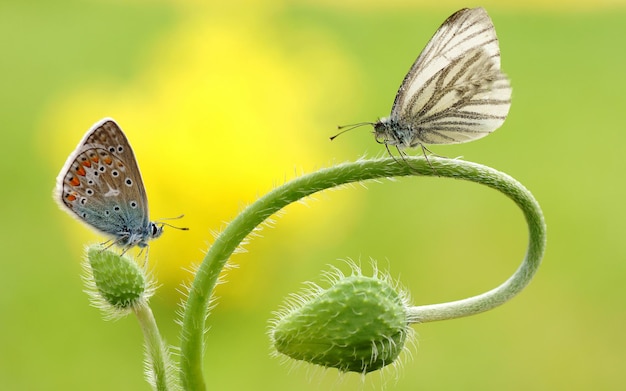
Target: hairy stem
[157, 360]
[196, 308]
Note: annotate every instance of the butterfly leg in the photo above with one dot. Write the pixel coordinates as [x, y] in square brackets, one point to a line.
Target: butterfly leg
[107, 245]
[394, 156]
[403, 156]
[426, 151]
[145, 255]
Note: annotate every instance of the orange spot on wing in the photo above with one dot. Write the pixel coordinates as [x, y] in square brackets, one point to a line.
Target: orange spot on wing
[94, 158]
[70, 197]
[74, 181]
[108, 160]
[80, 171]
[86, 163]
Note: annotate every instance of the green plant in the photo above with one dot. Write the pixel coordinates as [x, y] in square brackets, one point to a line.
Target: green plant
[387, 310]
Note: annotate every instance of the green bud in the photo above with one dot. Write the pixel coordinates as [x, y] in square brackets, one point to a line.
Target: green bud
[115, 282]
[359, 324]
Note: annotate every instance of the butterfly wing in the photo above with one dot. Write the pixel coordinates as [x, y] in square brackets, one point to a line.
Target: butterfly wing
[455, 90]
[101, 183]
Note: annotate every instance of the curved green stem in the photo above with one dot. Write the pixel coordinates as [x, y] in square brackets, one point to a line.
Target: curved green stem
[196, 308]
[525, 272]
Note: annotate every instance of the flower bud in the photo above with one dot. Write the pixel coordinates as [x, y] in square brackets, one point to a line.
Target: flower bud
[359, 324]
[115, 283]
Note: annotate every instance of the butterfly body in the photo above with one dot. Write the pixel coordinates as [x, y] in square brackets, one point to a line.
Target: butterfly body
[455, 91]
[101, 185]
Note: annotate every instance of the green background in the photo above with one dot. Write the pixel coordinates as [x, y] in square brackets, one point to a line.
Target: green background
[445, 240]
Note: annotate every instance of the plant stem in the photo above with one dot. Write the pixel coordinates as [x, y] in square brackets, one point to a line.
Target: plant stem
[525, 272]
[196, 308]
[157, 360]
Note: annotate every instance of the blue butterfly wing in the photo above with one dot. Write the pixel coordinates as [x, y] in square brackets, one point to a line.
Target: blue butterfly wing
[101, 185]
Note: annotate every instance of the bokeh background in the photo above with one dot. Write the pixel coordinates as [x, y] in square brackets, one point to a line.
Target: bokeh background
[222, 101]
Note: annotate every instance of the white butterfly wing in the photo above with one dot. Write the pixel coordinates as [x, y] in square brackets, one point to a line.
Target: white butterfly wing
[455, 91]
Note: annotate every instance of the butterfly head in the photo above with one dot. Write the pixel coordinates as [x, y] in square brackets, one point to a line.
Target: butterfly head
[383, 131]
[153, 231]
[387, 131]
[156, 227]
[391, 132]
[140, 237]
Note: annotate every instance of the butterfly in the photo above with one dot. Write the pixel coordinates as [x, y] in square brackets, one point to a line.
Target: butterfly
[101, 185]
[455, 91]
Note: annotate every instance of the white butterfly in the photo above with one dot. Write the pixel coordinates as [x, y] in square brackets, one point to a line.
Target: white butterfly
[455, 91]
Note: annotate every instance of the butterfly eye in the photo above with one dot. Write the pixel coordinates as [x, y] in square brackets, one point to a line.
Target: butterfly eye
[120, 149]
[116, 208]
[129, 182]
[83, 201]
[115, 173]
[133, 204]
[89, 192]
[155, 230]
[111, 149]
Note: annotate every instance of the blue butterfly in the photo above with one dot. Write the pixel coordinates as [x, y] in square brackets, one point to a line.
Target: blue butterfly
[101, 185]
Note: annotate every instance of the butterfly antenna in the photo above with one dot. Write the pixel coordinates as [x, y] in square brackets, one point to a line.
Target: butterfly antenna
[345, 128]
[173, 226]
[161, 221]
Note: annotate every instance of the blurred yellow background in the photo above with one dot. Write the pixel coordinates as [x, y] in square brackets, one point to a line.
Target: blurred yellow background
[223, 102]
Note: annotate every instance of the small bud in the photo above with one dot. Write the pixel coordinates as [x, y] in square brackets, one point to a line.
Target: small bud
[359, 324]
[115, 283]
